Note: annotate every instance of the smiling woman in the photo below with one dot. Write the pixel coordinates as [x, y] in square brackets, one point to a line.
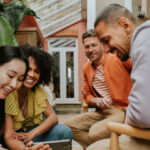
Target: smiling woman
[12, 69]
[26, 107]
[13, 66]
[13, 74]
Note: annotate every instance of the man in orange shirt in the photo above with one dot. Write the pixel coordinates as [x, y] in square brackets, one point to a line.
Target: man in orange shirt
[106, 87]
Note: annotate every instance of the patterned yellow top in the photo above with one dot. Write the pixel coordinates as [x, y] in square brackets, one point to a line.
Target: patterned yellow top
[36, 105]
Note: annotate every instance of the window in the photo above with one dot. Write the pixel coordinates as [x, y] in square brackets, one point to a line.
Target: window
[64, 51]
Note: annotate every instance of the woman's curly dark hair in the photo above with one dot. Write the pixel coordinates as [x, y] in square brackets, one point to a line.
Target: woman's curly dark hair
[43, 60]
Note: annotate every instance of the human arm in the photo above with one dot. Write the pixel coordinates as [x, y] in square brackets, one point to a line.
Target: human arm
[101, 103]
[36, 147]
[90, 95]
[11, 141]
[138, 108]
[29, 146]
[51, 120]
[87, 91]
[93, 101]
[16, 144]
[15, 140]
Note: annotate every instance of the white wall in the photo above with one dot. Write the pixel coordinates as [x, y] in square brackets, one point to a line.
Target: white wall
[100, 4]
[95, 6]
[91, 13]
[145, 8]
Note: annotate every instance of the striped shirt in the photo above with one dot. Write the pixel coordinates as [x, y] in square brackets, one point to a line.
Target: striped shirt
[99, 83]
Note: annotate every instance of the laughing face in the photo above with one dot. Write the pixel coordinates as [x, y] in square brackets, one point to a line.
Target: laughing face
[11, 77]
[115, 39]
[93, 49]
[33, 74]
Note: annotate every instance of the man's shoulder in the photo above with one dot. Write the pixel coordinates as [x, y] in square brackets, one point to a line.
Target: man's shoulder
[142, 27]
[87, 65]
[112, 62]
[109, 58]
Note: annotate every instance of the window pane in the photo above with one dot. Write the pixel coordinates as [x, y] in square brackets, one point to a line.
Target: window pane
[70, 74]
[56, 56]
[65, 42]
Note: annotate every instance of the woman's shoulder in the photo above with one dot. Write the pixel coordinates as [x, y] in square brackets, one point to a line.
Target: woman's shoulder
[39, 91]
[11, 98]
[39, 95]
[11, 103]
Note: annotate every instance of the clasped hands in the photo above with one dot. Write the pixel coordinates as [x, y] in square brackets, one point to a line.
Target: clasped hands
[103, 103]
[26, 139]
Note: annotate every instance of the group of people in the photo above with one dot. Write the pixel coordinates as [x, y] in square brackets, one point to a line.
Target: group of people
[116, 83]
[23, 70]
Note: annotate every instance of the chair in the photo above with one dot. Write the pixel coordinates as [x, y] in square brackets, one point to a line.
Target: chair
[119, 128]
[84, 106]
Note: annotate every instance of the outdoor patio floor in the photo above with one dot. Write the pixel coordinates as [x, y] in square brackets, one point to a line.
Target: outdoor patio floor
[61, 118]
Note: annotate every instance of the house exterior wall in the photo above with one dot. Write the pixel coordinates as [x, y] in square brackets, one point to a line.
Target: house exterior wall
[76, 30]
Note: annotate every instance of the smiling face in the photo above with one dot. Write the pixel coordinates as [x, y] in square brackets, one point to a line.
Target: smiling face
[11, 77]
[93, 49]
[33, 74]
[114, 38]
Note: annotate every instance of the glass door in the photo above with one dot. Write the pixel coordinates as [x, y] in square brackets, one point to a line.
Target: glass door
[64, 51]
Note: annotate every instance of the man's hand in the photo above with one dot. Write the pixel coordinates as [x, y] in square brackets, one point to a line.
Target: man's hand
[102, 103]
[29, 146]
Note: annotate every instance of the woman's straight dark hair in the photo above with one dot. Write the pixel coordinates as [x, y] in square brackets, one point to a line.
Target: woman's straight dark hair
[8, 53]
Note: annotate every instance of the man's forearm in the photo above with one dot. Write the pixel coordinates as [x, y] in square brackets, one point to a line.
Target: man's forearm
[92, 102]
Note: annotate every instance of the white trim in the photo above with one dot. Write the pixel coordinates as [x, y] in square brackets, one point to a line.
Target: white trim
[91, 13]
[58, 42]
[67, 102]
[68, 42]
[63, 74]
[62, 50]
[128, 5]
[76, 71]
[59, 10]
[61, 19]
[60, 28]
[45, 5]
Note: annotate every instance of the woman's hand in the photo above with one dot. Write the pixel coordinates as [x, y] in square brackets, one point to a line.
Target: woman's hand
[26, 137]
[16, 136]
[22, 136]
[29, 146]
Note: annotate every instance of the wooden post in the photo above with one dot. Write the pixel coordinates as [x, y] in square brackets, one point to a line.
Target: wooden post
[114, 141]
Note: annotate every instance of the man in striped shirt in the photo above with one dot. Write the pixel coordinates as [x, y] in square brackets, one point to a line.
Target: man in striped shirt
[106, 87]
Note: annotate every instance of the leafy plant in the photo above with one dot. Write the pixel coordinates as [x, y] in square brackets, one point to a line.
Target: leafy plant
[11, 16]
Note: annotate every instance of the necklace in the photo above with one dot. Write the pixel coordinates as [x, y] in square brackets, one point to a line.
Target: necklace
[24, 103]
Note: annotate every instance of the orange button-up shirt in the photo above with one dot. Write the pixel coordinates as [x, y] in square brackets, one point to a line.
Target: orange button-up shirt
[117, 76]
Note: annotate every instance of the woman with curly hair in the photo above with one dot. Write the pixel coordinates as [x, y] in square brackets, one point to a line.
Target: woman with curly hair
[13, 69]
[26, 107]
